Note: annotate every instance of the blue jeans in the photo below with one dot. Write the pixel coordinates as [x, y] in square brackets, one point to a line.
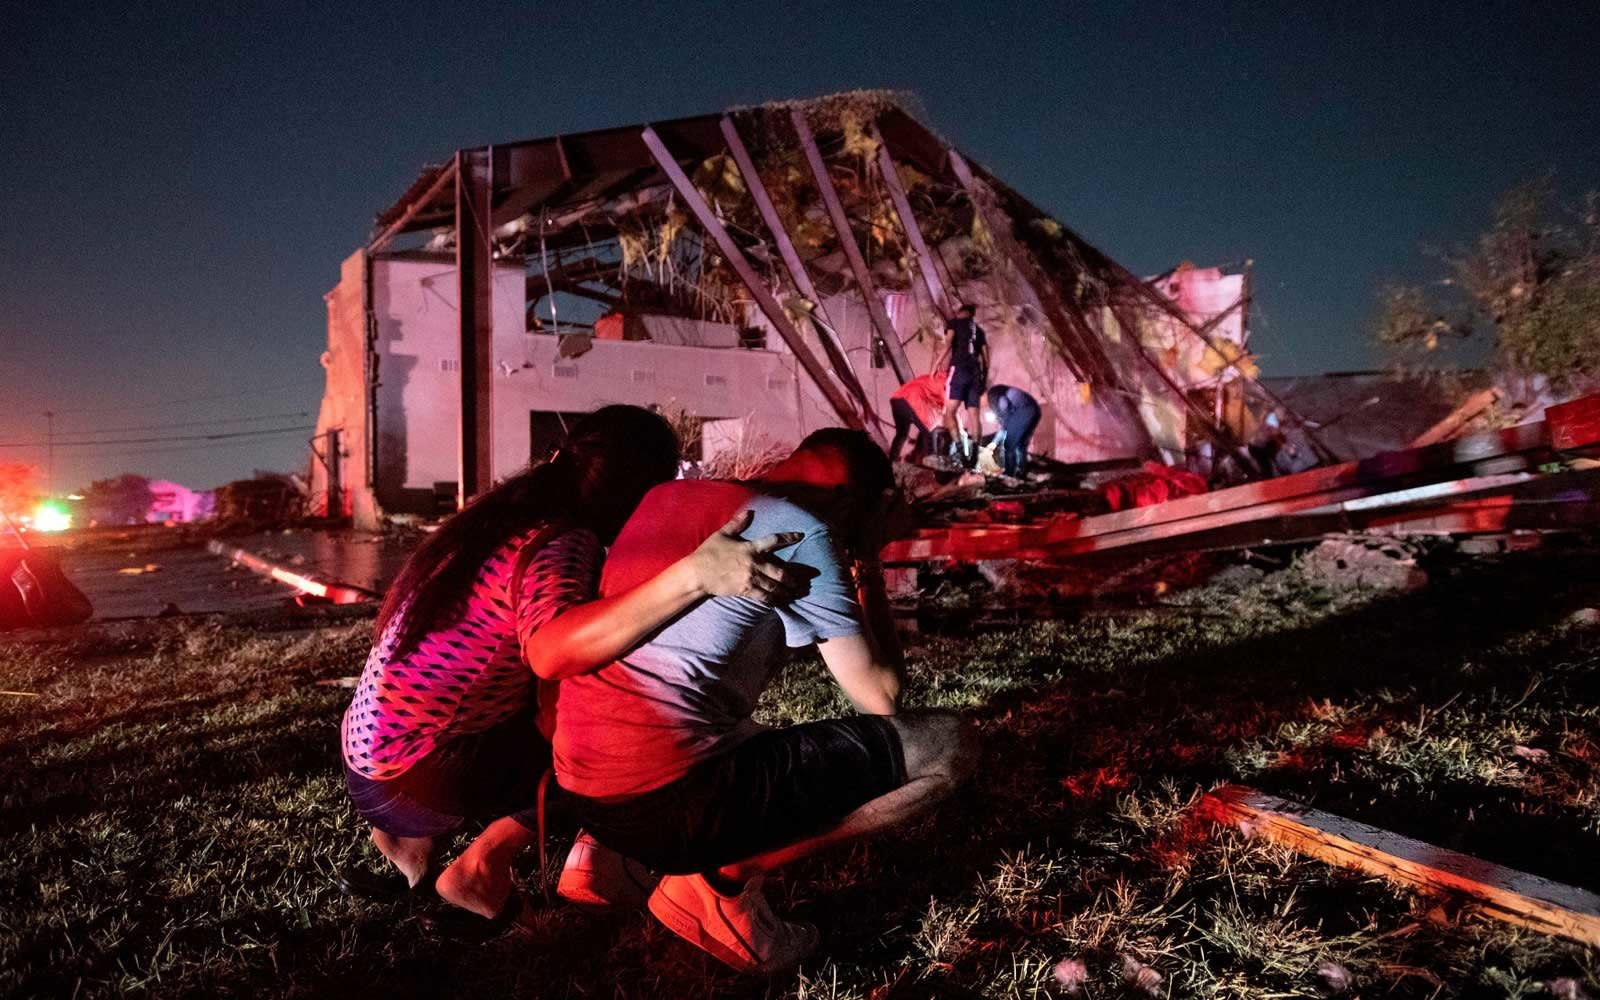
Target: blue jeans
[1019, 425]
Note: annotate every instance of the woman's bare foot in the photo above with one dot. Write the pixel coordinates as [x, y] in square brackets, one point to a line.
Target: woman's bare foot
[412, 855]
[480, 879]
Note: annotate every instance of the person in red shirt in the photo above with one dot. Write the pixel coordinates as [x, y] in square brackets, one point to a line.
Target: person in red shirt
[659, 756]
[919, 403]
[445, 726]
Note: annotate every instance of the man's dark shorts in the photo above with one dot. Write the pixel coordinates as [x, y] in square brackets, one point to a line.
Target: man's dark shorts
[964, 385]
[776, 788]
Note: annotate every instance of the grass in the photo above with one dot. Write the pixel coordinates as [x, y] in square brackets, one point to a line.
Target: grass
[171, 811]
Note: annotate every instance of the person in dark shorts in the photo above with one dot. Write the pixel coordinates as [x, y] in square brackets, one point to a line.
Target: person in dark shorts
[1018, 415]
[657, 753]
[444, 725]
[916, 405]
[966, 348]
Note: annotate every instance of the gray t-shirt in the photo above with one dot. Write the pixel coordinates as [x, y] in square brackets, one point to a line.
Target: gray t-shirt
[687, 693]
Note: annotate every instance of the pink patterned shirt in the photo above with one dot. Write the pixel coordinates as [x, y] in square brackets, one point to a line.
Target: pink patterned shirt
[467, 673]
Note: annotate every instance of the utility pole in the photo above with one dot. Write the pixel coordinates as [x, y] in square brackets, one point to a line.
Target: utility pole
[50, 452]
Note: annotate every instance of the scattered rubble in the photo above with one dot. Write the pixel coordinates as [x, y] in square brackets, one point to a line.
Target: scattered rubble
[1372, 562]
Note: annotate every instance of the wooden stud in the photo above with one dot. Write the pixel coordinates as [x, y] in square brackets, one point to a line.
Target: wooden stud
[852, 252]
[1457, 418]
[475, 311]
[791, 261]
[1504, 893]
[746, 272]
[926, 266]
[447, 176]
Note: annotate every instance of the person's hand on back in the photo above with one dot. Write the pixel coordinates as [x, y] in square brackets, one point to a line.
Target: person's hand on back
[726, 565]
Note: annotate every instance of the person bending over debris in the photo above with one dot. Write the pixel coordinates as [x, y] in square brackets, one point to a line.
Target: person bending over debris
[659, 756]
[918, 404]
[966, 349]
[1017, 413]
[443, 726]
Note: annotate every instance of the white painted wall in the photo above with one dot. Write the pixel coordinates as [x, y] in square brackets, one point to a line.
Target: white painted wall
[758, 394]
[1076, 426]
[418, 410]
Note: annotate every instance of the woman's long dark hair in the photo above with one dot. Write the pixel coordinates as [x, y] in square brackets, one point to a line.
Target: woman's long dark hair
[610, 459]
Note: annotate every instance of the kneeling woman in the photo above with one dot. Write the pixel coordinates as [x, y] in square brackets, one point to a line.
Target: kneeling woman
[445, 726]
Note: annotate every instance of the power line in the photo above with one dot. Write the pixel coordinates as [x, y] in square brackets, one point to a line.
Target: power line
[102, 456]
[230, 394]
[177, 437]
[187, 423]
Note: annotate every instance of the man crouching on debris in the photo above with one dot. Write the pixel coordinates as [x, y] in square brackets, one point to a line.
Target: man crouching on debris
[658, 749]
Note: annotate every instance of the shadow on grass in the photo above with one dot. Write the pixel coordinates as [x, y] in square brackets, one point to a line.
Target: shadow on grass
[1076, 745]
[1058, 756]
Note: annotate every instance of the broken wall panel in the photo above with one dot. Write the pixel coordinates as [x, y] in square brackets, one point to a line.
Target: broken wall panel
[344, 406]
[598, 210]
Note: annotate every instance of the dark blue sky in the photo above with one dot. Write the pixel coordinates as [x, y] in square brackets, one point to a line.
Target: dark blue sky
[179, 186]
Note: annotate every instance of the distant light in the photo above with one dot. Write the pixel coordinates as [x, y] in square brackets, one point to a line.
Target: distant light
[74, 496]
[51, 516]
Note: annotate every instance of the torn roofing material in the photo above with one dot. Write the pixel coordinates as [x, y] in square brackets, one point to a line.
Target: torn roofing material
[850, 187]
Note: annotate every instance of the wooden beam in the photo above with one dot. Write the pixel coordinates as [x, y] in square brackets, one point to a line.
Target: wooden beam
[1074, 341]
[1504, 893]
[1451, 463]
[530, 173]
[1378, 474]
[447, 176]
[475, 312]
[792, 262]
[1457, 418]
[908, 222]
[747, 274]
[852, 252]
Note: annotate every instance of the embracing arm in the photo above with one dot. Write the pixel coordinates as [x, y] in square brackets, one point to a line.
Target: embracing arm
[878, 614]
[872, 685]
[588, 636]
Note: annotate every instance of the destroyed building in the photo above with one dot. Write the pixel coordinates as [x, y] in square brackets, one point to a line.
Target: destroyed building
[761, 273]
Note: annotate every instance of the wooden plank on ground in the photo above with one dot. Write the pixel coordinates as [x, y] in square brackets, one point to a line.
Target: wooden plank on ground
[1434, 463]
[1504, 893]
[1297, 518]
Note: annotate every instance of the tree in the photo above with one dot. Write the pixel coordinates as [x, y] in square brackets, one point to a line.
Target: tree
[123, 500]
[1530, 285]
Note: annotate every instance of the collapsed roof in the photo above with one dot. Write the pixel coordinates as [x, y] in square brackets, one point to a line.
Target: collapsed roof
[786, 204]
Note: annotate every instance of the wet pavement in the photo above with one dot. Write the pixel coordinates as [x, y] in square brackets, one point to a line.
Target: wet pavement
[143, 572]
[353, 558]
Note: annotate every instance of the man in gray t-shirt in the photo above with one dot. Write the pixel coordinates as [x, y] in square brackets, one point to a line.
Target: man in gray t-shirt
[659, 754]
[686, 695]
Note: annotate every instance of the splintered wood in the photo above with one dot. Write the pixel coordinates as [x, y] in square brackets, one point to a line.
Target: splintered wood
[1504, 893]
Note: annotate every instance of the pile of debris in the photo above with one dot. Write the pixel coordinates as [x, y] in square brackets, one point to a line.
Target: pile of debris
[1532, 478]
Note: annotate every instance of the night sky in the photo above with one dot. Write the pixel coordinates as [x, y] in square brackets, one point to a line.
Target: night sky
[178, 187]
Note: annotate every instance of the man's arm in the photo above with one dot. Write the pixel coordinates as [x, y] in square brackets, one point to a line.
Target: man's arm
[877, 613]
[588, 636]
[872, 685]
